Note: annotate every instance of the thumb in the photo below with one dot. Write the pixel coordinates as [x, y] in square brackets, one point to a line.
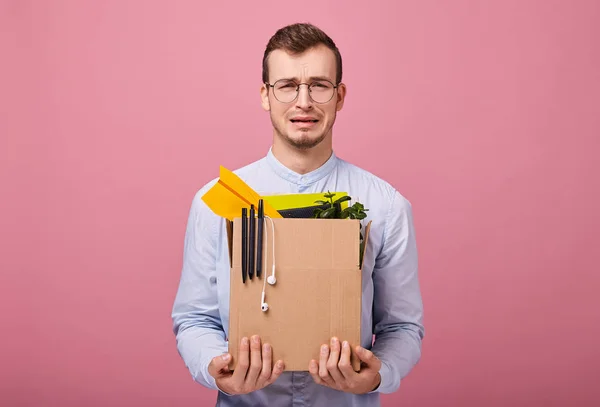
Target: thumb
[219, 365]
[367, 356]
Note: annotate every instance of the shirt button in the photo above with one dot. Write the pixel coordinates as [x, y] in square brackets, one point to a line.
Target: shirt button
[213, 280]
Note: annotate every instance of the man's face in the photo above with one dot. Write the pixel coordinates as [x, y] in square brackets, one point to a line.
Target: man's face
[303, 123]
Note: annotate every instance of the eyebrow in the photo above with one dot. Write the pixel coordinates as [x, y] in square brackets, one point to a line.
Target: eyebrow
[312, 78]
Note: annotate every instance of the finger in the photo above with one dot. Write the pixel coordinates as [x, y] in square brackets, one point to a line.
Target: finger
[323, 372]
[277, 371]
[239, 374]
[313, 369]
[255, 362]
[219, 365]
[332, 363]
[345, 365]
[265, 373]
[368, 358]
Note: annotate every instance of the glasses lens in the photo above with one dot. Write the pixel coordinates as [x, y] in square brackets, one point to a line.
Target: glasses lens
[285, 91]
[321, 91]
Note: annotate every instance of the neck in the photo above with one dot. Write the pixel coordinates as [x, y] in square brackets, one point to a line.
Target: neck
[299, 160]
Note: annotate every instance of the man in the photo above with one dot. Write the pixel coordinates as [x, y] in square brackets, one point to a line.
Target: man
[302, 91]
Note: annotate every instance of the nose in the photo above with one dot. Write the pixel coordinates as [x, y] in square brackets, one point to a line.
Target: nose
[304, 101]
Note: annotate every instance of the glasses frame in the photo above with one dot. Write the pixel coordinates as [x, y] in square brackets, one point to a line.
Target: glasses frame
[308, 85]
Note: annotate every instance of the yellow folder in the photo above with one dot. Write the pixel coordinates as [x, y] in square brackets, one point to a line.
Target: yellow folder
[289, 201]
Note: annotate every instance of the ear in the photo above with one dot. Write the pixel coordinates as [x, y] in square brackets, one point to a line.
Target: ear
[264, 96]
[341, 95]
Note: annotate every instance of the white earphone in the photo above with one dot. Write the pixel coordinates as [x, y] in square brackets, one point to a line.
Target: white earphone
[271, 279]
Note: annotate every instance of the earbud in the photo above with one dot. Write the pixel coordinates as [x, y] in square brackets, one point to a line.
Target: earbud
[263, 305]
[270, 279]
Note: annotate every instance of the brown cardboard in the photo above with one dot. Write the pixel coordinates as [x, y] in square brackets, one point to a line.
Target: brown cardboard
[317, 294]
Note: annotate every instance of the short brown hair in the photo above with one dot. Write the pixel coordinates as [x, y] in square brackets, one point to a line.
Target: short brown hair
[297, 38]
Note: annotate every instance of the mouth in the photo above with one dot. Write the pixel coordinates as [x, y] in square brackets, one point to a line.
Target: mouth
[304, 120]
[304, 124]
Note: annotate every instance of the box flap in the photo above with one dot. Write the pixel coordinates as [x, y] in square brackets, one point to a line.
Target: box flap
[366, 241]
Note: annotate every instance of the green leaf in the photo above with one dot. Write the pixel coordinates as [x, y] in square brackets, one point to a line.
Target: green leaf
[358, 206]
[343, 199]
[327, 213]
[338, 210]
[333, 209]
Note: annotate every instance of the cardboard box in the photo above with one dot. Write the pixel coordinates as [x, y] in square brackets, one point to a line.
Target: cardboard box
[317, 294]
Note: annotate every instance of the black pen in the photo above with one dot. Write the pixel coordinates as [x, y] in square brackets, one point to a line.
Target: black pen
[244, 245]
[251, 243]
[261, 216]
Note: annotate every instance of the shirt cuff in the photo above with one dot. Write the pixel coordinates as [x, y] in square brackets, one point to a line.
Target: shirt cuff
[386, 382]
[211, 380]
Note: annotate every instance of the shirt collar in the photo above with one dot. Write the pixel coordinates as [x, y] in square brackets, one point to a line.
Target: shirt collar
[296, 178]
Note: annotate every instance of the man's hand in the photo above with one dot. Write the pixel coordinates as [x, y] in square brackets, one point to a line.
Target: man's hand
[334, 369]
[253, 370]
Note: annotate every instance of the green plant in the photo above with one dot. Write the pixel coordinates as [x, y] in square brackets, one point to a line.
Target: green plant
[333, 210]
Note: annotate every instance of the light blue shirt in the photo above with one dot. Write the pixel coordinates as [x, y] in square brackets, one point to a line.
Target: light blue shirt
[391, 297]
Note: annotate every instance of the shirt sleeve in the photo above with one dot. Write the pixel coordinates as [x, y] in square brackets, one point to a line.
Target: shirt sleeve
[397, 307]
[195, 314]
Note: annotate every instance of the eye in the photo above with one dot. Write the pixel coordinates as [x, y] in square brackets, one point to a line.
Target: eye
[285, 85]
[321, 85]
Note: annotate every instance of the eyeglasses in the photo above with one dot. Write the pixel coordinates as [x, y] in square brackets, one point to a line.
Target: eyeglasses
[286, 90]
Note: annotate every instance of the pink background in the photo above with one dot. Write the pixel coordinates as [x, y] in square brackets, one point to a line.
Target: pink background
[484, 114]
